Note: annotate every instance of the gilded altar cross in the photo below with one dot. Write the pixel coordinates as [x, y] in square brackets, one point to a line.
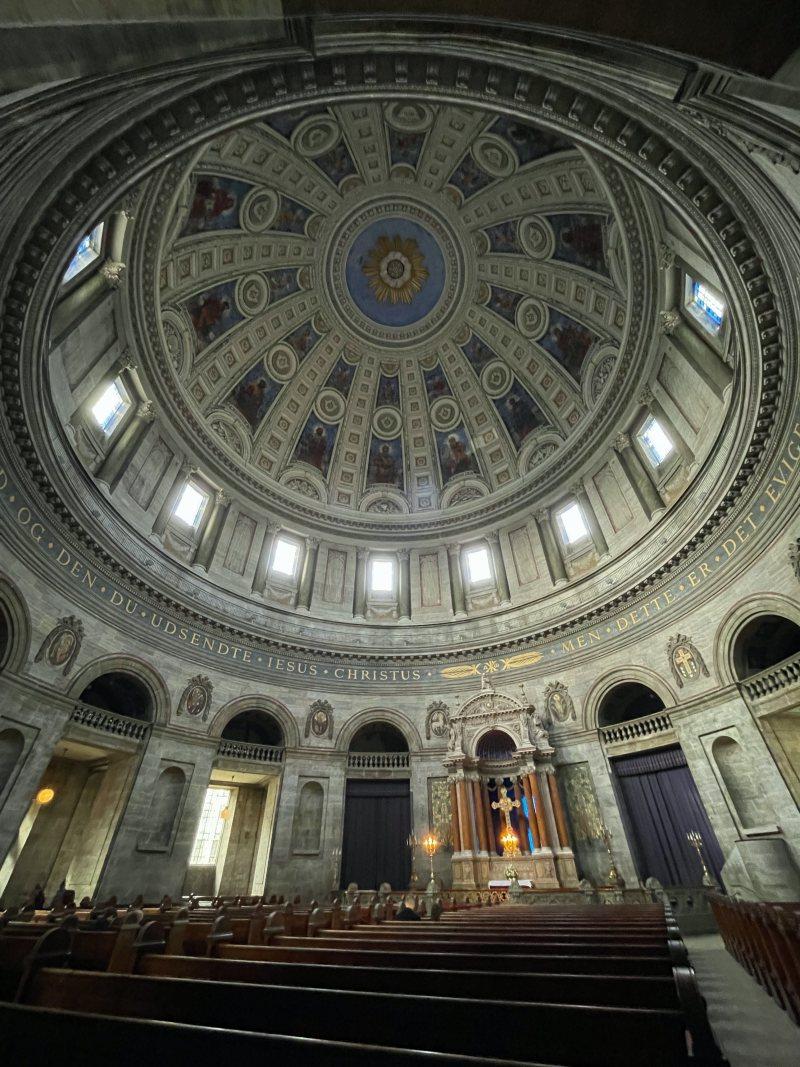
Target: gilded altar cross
[505, 804]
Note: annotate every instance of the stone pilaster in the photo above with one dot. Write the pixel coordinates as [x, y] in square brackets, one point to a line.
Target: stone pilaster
[360, 587]
[262, 567]
[124, 447]
[501, 575]
[456, 580]
[309, 572]
[209, 538]
[640, 478]
[404, 583]
[595, 530]
[552, 552]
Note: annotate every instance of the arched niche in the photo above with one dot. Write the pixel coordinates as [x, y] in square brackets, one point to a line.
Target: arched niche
[763, 642]
[254, 727]
[737, 622]
[132, 667]
[740, 778]
[15, 627]
[276, 711]
[12, 744]
[624, 676]
[626, 701]
[495, 745]
[164, 811]
[395, 718]
[378, 736]
[120, 693]
[307, 824]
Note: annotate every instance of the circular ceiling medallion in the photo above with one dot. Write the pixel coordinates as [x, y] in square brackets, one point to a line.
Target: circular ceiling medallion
[330, 405]
[394, 272]
[409, 116]
[387, 422]
[315, 136]
[445, 413]
[259, 209]
[494, 155]
[252, 294]
[537, 237]
[532, 318]
[281, 362]
[496, 378]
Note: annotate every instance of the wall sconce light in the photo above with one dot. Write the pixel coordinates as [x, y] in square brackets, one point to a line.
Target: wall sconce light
[44, 796]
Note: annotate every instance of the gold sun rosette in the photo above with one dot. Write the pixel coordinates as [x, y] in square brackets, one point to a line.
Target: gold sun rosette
[405, 252]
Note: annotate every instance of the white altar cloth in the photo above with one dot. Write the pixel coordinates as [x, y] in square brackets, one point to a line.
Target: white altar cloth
[504, 883]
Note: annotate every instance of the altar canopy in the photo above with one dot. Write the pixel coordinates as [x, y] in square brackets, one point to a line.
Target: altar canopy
[662, 804]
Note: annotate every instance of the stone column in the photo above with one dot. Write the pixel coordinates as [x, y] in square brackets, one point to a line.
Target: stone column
[262, 567]
[526, 788]
[649, 400]
[185, 471]
[487, 811]
[125, 445]
[552, 552]
[524, 844]
[456, 581]
[464, 820]
[209, 538]
[558, 810]
[595, 532]
[454, 824]
[479, 817]
[360, 586]
[404, 583]
[541, 821]
[306, 588]
[640, 478]
[547, 808]
[499, 568]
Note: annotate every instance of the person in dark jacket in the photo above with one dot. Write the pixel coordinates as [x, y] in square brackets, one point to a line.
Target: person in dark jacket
[407, 913]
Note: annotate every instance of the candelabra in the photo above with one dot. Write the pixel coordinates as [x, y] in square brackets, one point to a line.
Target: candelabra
[614, 877]
[431, 843]
[510, 842]
[696, 841]
[336, 857]
[411, 844]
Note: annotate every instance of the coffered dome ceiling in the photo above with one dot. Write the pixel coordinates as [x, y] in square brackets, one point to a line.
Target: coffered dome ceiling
[393, 308]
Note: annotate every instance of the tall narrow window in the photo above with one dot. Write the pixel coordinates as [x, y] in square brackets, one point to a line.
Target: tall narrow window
[381, 576]
[111, 407]
[284, 558]
[191, 505]
[89, 249]
[479, 568]
[211, 827]
[655, 441]
[573, 525]
[705, 305]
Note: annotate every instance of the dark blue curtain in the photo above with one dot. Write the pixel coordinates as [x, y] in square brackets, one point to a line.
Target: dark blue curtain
[662, 804]
[377, 822]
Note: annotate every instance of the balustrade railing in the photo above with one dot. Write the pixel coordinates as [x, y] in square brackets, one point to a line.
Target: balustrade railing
[109, 722]
[250, 751]
[368, 761]
[773, 679]
[637, 729]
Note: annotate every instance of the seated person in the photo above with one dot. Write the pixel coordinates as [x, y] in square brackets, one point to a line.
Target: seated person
[407, 913]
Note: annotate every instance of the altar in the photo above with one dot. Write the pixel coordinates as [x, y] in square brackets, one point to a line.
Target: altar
[505, 805]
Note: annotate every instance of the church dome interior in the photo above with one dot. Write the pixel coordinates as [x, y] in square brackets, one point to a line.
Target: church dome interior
[399, 440]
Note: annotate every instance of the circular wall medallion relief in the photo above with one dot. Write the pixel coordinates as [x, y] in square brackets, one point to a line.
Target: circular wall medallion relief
[387, 422]
[409, 116]
[329, 405]
[532, 318]
[494, 155]
[252, 294]
[259, 209]
[537, 237]
[315, 136]
[496, 378]
[281, 362]
[445, 413]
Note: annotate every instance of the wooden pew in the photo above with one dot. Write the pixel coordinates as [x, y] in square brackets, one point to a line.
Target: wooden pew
[479, 946]
[30, 1035]
[559, 1033]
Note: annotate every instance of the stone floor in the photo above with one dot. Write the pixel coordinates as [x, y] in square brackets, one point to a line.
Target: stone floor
[750, 1028]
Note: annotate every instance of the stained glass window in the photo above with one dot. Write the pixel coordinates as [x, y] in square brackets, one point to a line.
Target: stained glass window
[111, 406]
[655, 441]
[211, 827]
[706, 305]
[89, 249]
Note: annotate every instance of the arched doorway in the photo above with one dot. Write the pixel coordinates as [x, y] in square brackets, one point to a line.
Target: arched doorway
[377, 813]
[120, 693]
[658, 798]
